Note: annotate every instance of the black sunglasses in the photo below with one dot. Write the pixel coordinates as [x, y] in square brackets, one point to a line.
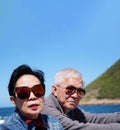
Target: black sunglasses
[24, 92]
[72, 89]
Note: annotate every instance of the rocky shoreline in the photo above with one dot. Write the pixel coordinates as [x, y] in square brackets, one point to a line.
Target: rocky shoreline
[100, 102]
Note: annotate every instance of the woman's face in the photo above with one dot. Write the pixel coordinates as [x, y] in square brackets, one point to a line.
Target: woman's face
[29, 107]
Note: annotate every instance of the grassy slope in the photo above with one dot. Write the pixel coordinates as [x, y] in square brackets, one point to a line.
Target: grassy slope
[107, 86]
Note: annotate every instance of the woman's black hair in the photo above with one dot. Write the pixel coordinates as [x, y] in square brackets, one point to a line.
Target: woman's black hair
[20, 71]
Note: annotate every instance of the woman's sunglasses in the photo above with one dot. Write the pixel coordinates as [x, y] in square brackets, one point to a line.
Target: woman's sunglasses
[24, 92]
[71, 90]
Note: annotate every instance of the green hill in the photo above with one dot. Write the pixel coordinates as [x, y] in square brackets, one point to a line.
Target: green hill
[107, 86]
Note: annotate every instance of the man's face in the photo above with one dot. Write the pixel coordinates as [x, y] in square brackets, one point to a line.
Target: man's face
[29, 107]
[69, 98]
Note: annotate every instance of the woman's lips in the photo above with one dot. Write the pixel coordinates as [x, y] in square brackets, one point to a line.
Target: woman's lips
[34, 106]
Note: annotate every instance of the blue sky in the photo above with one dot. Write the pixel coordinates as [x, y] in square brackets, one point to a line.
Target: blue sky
[52, 35]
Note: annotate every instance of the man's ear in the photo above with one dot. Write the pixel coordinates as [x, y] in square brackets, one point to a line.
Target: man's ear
[12, 100]
[54, 90]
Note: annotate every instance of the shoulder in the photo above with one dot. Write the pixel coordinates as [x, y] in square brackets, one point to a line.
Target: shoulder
[49, 118]
[51, 122]
[14, 122]
[49, 97]
[8, 124]
[51, 101]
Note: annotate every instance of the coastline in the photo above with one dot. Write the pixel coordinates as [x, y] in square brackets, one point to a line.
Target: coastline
[100, 102]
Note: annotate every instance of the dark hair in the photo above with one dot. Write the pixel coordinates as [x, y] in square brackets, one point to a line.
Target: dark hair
[20, 71]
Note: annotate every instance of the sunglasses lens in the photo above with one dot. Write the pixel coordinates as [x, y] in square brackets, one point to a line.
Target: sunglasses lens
[81, 92]
[71, 90]
[38, 90]
[23, 92]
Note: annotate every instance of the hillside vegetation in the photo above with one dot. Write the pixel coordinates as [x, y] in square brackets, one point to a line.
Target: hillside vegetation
[107, 86]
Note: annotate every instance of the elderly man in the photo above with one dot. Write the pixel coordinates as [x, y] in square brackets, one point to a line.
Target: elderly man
[62, 103]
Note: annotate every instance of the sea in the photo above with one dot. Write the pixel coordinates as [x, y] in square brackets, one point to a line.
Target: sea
[7, 111]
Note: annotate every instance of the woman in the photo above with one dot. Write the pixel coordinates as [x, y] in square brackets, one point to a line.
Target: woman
[27, 89]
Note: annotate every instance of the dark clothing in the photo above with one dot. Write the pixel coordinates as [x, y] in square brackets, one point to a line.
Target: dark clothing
[39, 124]
[78, 119]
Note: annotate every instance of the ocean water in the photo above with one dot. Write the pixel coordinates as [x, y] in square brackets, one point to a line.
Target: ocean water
[7, 111]
[101, 108]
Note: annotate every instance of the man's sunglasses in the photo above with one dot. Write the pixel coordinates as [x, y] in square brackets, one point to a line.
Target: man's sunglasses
[24, 92]
[71, 90]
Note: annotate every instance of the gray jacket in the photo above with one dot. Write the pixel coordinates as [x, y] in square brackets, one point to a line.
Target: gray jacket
[78, 119]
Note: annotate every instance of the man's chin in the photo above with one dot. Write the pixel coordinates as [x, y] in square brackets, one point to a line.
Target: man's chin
[71, 107]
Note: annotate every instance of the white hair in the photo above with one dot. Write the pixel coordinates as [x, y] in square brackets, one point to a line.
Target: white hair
[65, 74]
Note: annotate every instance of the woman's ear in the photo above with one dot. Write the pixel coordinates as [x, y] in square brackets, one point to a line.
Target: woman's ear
[54, 90]
[12, 100]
